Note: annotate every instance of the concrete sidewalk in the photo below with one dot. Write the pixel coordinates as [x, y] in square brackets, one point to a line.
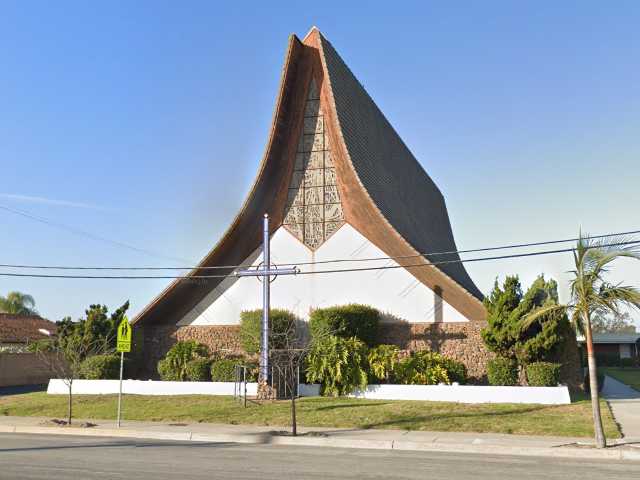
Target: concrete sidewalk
[494, 444]
[625, 406]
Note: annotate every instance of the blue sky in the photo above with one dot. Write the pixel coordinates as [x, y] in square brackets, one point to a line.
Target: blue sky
[144, 123]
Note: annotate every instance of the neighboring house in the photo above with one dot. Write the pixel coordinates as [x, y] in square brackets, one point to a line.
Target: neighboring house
[17, 331]
[610, 348]
[17, 365]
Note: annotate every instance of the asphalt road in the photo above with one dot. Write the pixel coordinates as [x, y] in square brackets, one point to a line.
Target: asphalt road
[60, 457]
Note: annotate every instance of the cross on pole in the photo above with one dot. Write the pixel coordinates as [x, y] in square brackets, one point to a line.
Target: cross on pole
[265, 272]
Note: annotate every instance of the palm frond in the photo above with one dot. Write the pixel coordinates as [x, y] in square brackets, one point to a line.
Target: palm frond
[611, 297]
[604, 251]
[540, 312]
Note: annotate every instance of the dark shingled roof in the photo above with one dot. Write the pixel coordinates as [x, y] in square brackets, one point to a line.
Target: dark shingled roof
[24, 328]
[397, 183]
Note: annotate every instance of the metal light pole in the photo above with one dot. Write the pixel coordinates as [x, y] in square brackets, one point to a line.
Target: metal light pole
[266, 272]
[266, 300]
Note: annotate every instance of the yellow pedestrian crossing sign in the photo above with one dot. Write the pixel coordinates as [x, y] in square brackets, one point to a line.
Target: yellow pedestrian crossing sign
[124, 335]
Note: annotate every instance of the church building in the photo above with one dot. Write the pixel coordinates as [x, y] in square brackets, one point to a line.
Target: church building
[338, 183]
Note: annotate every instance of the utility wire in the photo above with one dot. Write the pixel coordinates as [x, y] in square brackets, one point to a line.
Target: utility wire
[86, 234]
[341, 260]
[312, 272]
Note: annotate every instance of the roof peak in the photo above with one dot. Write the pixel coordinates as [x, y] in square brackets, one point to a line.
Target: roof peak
[311, 30]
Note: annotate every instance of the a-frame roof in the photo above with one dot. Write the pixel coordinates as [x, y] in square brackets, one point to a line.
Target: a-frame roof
[387, 195]
[392, 176]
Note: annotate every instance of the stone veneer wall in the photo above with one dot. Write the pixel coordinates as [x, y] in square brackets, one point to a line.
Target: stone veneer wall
[461, 341]
[157, 340]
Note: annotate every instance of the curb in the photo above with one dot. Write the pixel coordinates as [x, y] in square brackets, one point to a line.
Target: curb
[267, 438]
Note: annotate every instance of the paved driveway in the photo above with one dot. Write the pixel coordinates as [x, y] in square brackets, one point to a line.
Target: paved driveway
[625, 405]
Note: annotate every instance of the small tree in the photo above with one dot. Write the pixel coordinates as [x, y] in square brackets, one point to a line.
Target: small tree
[602, 322]
[75, 342]
[591, 293]
[507, 306]
[290, 359]
[65, 356]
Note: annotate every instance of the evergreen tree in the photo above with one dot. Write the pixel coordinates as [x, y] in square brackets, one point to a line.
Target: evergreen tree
[507, 306]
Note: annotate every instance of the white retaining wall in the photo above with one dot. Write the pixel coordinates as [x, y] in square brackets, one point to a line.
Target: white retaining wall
[467, 394]
[437, 393]
[146, 387]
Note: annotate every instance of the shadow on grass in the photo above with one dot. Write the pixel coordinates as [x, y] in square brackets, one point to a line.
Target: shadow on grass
[20, 389]
[352, 405]
[403, 421]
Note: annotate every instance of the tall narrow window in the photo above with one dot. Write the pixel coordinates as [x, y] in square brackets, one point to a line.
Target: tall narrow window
[314, 211]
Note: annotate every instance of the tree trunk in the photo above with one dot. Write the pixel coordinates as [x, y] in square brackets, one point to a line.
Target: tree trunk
[601, 441]
[294, 423]
[70, 403]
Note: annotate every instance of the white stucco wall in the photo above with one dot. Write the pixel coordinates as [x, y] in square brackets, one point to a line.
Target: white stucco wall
[394, 292]
[435, 393]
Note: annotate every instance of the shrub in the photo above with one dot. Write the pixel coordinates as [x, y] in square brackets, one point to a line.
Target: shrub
[100, 367]
[338, 364]
[428, 368]
[346, 321]
[280, 324]
[502, 371]
[223, 370]
[628, 362]
[173, 367]
[456, 371]
[607, 359]
[197, 370]
[543, 374]
[382, 361]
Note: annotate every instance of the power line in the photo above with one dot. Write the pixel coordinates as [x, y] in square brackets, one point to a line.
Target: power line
[319, 262]
[86, 234]
[363, 269]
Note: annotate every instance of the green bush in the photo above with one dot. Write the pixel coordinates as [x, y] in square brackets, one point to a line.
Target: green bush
[100, 367]
[429, 368]
[456, 371]
[502, 371]
[223, 370]
[346, 321]
[198, 370]
[173, 367]
[607, 359]
[543, 374]
[281, 323]
[382, 361]
[628, 362]
[338, 364]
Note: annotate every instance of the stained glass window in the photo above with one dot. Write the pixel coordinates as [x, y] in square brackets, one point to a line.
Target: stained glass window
[313, 212]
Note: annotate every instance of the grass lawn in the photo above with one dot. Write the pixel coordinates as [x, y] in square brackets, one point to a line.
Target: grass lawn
[628, 375]
[562, 420]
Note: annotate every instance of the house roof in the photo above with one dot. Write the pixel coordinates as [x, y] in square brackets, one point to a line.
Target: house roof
[387, 189]
[24, 328]
[613, 338]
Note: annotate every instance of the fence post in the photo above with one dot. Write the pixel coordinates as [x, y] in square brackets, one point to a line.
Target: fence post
[244, 378]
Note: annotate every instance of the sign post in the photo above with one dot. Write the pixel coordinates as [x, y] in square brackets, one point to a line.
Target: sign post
[123, 345]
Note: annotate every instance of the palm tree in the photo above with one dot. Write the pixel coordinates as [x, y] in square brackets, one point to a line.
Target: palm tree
[590, 293]
[18, 303]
